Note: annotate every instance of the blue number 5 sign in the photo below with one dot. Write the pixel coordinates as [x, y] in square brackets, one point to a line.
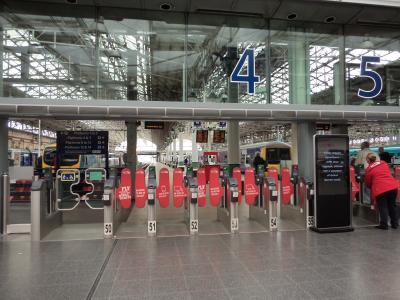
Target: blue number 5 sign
[376, 78]
[250, 77]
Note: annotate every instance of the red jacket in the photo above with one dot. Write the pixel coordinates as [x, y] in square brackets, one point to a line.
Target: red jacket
[379, 179]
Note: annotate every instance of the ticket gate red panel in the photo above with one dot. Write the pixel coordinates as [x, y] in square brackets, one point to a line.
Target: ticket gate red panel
[216, 190]
[163, 190]
[179, 191]
[397, 176]
[251, 190]
[355, 186]
[201, 184]
[237, 174]
[286, 186]
[124, 191]
[140, 189]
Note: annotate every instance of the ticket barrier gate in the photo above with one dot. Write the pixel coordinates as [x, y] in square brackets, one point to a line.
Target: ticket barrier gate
[364, 212]
[228, 212]
[151, 206]
[265, 211]
[191, 212]
[306, 192]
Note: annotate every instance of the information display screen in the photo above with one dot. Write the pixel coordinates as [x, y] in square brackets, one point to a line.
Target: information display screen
[153, 125]
[82, 142]
[96, 176]
[332, 181]
[201, 136]
[219, 136]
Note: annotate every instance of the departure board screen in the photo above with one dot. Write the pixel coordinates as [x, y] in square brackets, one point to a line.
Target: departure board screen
[219, 137]
[82, 142]
[201, 136]
[332, 201]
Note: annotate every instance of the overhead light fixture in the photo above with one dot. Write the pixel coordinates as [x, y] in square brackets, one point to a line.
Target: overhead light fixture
[330, 19]
[292, 16]
[166, 6]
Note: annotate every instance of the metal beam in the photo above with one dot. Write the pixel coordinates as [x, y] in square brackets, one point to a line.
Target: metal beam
[163, 110]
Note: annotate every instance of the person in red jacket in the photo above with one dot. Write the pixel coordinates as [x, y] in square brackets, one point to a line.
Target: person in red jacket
[383, 190]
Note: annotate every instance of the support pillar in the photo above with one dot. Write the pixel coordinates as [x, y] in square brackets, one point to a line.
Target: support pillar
[233, 126]
[299, 70]
[3, 166]
[131, 135]
[195, 152]
[174, 151]
[180, 157]
[305, 133]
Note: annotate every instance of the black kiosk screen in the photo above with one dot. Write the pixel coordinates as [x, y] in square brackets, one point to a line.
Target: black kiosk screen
[332, 181]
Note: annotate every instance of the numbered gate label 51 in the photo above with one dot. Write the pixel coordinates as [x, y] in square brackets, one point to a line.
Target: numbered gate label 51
[151, 227]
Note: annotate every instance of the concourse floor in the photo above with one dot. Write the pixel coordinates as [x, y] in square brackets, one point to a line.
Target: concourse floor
[364, 264]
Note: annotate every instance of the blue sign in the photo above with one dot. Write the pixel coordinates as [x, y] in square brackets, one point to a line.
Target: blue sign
[376, 78]
[197, 124]
[68, 176]
[250, 77]
[222, 124]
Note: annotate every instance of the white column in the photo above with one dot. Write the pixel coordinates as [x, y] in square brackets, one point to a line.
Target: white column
[180, 160]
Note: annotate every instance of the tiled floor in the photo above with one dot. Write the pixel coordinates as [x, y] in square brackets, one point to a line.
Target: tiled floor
[364, 264]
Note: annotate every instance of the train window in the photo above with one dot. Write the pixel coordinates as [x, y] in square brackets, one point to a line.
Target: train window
[284, 154]
[69, 159]
[49, 155]
[273, 155]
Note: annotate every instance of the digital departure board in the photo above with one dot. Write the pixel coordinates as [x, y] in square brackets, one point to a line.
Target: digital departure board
[332, 201]
[219, 136]
[82, 142]
[201, 136]
[153, 125]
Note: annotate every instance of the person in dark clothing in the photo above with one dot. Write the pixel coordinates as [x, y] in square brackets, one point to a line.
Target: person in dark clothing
[385, 156]
[383, 190]
[258, 160]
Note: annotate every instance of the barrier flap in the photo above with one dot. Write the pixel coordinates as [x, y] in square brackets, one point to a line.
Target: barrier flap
[124, 191]
[216, 190]
[251, 190]
[140, 189]
[201, 182]
[237, 174]
[397, 176]
[179, 191]
[302, 192]
[287, 189]
[163, 190]
[355, 186]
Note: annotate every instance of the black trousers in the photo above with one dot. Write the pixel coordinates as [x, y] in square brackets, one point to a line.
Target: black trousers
[387, 206]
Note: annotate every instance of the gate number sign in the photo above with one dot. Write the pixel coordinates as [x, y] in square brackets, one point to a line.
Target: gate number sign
[250, 78]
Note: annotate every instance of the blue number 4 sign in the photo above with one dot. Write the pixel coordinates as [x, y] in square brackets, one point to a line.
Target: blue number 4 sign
[250, 77]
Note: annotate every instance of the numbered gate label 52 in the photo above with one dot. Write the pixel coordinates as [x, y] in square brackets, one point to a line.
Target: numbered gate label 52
[194, 225]
[108, 230]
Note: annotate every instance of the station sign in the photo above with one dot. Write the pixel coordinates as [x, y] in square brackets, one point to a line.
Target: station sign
[332, 200]
[197, 124]
[82, 142]
[68, 176]
[323, 127]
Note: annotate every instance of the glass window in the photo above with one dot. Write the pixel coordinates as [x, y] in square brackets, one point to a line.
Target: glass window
[212, 53]
[372, 66]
